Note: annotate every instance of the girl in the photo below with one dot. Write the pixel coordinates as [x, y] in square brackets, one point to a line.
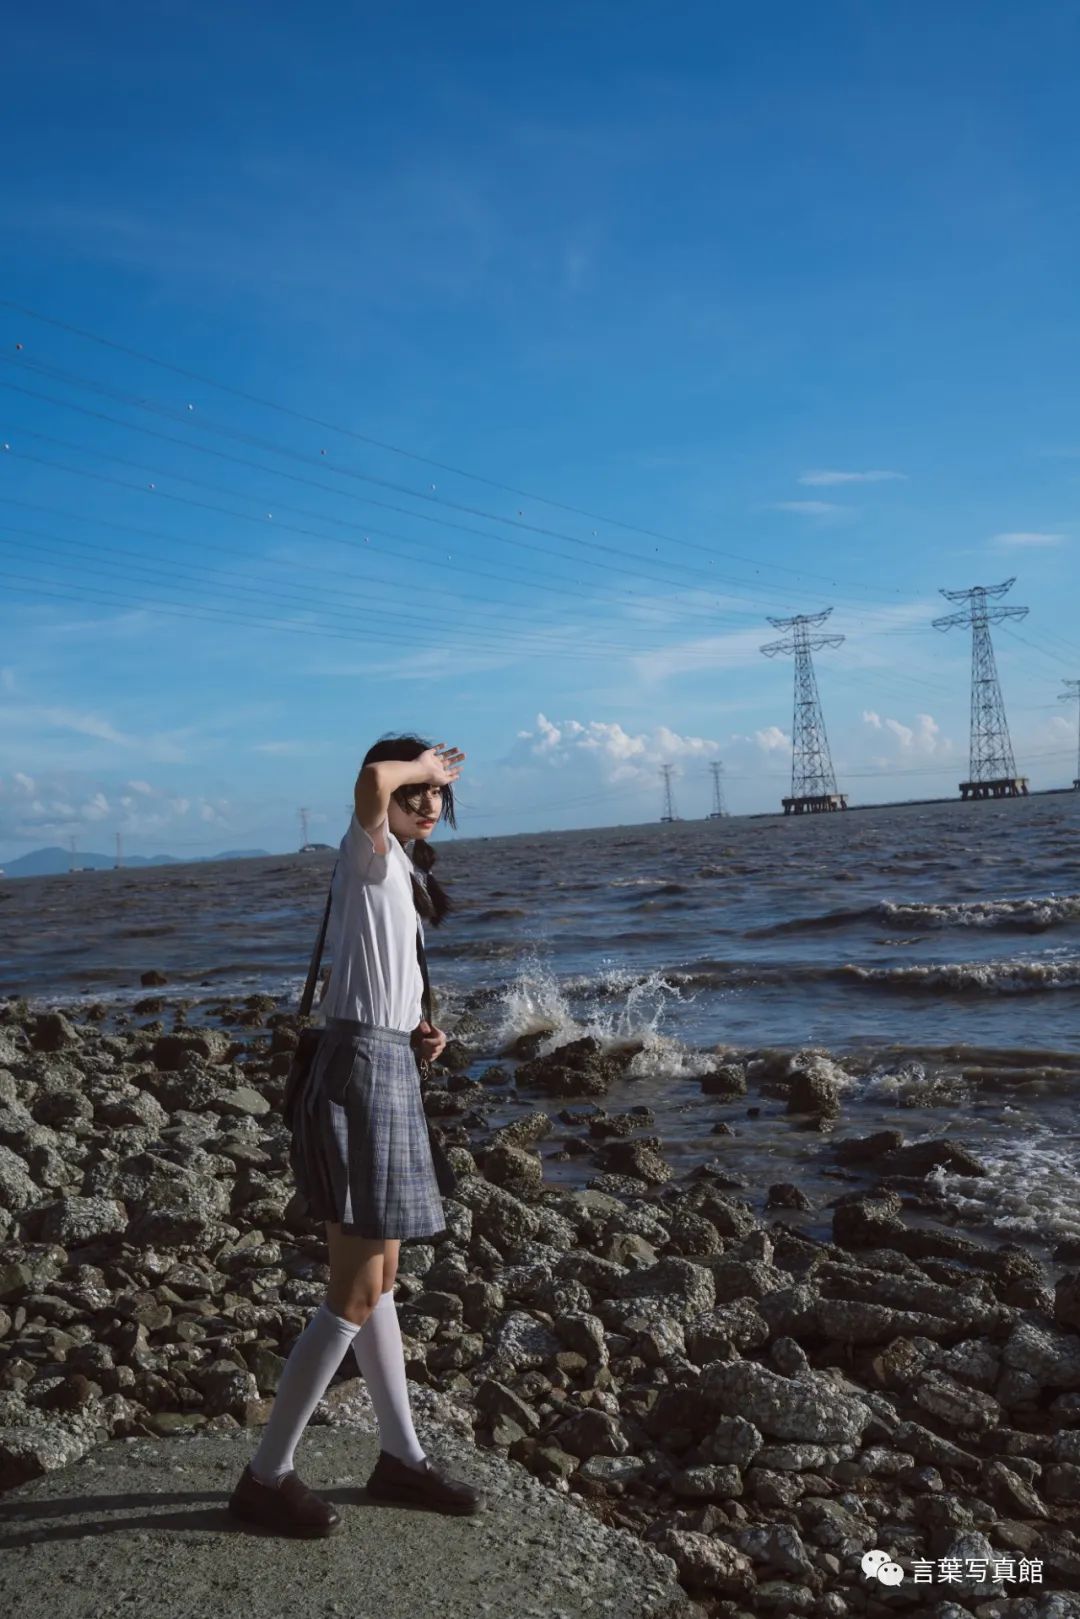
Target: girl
[360, 1150]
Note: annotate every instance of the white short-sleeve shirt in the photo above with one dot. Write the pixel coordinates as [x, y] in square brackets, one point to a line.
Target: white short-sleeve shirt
[375, 977]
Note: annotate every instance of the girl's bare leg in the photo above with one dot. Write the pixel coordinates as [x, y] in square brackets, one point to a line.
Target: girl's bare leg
[357, 1272]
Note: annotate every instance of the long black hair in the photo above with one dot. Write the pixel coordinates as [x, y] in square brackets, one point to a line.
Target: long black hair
[429, 896]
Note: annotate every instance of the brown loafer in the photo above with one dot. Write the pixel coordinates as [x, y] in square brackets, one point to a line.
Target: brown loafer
[289, 1507]
[424, 1486]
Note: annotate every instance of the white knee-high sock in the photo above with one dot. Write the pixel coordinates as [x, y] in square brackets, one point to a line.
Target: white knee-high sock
[381, 1359]
[315, 1357]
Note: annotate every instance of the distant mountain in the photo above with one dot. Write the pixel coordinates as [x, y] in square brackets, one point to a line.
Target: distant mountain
[55, 861]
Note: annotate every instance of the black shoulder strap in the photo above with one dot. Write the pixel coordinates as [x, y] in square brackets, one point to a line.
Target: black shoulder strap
[316, 955]
[427, 1005]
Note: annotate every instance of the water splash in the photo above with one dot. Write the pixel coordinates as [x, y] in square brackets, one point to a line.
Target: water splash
[617, 1007]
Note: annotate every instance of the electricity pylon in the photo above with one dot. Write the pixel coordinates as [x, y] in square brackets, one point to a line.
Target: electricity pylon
[719, 808]
[992, 768]
[119, 850]
[669, 802]
[303, 814]
[813, 780]
[1071, 694]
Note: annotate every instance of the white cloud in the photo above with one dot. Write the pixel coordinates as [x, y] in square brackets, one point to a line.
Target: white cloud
[922, 738]
[808, 508]
[282, 749]
[772, 738]
[824, 476]
[51, 806]
[7, 680]
[604, 750]
[67, 719]
[1027, 537]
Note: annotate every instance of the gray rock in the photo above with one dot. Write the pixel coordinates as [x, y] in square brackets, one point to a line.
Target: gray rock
[591, 1433]
[732, 1440]
[683, 1288]
[868, 1222]
[783, 1407]
[612, 1469]
[17, 1189]
[53, 1032]
[707, 1564]
[243, 1101]
[711, 1482]
[957, 1405]
[514, 1168]
[497, 1215]
[28, 1452]
[74, 1220]
[776, 1545]
[522, 1341]
[172, 1052]
[713, 1334]
[1049, 1356]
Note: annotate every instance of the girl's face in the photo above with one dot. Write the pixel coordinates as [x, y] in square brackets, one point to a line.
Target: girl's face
[415, 811]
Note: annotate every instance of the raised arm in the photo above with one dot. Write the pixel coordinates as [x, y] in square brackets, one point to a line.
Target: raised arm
[438, 766]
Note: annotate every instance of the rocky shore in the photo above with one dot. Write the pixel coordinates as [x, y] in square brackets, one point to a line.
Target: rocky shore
[677, 1356]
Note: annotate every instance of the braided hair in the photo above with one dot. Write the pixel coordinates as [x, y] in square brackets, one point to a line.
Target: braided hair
[429, 896]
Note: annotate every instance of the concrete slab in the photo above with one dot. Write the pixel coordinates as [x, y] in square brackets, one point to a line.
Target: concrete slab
[140, 1527]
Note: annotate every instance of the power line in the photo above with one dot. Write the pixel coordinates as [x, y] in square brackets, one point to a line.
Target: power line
[293, 477]
[312, 420]
[152, 572]
[713, 615]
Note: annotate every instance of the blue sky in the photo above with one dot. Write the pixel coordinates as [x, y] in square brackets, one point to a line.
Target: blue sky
[728, 312]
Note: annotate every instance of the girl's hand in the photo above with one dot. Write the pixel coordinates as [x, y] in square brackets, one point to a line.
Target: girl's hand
[427, 1041]
[442, 763]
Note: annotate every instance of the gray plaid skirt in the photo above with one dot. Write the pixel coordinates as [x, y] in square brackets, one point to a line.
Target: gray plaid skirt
[362, 1151]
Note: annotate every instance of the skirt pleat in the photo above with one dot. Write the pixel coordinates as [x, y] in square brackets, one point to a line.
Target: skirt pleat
[361, 1150]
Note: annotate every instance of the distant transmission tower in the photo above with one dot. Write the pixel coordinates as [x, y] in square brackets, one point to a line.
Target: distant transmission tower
[303, 814]
[71, 840]
[992, 769]
[1071, 694]
[813, 781]
[669, 802]
[719, 808]
[119, 850]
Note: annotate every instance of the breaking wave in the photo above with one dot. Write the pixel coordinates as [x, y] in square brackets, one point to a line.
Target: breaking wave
[1007, 915]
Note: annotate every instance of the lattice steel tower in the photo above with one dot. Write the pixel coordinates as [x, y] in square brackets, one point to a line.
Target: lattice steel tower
[719, 807]
[1071, 694]
[992, 769]
[669, 802]
[813, 780]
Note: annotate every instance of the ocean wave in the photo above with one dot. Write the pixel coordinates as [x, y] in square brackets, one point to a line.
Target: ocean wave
[971, 977]
[1012, 976]
[1034, 915]
[1023, 915]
